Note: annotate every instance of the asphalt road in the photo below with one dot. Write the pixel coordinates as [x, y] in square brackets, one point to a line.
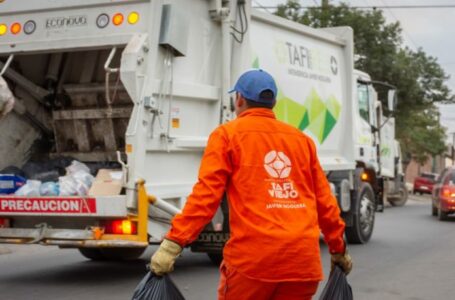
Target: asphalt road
[409, 257]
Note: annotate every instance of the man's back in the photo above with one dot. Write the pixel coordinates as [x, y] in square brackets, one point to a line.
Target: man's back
[273, 211]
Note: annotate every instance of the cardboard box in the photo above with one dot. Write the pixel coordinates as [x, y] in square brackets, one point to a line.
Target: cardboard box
[107, 183]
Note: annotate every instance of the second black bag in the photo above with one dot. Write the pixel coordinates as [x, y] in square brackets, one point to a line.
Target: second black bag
[337, 287]
[154, 287]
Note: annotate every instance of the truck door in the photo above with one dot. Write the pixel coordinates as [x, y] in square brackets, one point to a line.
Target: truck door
[366, 151]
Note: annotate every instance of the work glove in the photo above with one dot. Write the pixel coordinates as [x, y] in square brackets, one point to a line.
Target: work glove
[163, 259]
[343, 260]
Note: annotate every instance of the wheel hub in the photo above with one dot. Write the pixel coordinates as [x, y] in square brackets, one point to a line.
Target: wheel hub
[366, 214]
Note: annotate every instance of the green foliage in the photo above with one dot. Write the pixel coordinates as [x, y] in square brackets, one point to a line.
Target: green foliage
[423, 136]
[419, 78]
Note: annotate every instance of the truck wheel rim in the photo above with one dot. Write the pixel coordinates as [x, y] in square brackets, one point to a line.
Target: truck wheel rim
[366, 214]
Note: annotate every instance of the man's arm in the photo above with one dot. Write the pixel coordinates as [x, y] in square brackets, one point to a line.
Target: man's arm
[330, 221]
[207, 193]
[200, 206]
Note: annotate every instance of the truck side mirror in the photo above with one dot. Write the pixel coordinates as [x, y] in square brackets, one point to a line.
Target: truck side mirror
[391, 100]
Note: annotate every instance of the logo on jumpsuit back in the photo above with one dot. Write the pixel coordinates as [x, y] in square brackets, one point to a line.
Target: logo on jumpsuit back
[279, 166]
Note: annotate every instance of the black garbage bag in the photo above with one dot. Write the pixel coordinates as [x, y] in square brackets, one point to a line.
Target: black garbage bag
[154, 287]
[47, 169]
[337, 287]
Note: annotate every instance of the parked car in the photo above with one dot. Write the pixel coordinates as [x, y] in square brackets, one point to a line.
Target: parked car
[443, 196]
[424, 183]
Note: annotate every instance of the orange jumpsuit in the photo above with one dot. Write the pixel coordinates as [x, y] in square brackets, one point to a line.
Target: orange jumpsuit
[279, 200]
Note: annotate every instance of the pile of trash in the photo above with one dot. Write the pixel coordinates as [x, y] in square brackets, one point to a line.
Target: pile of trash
[76, 181]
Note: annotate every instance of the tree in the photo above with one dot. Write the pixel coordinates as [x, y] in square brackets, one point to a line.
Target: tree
[419, 78]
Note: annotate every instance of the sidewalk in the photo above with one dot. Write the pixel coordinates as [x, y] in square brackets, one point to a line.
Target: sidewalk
[420, 198]
[414, 200]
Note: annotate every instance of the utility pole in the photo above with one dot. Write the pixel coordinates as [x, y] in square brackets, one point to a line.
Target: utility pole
[325, 13]
[453, 148]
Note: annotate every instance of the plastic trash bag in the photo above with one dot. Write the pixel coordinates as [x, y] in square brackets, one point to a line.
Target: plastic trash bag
[85, 178]
[30, 189]
[84, 181]
[77, 166]
[78, 183]
[154, 287]
[46, 170]
[337, 287]
[49, 189]
[46, 176]
[68, 186]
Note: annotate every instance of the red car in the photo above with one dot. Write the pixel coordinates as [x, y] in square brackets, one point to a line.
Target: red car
[443, 197]
[424, 183]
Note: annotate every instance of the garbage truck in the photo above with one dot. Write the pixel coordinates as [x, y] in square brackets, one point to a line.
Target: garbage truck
[140, 84]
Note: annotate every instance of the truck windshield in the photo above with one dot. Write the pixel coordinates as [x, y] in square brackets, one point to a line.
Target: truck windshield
[362, 95]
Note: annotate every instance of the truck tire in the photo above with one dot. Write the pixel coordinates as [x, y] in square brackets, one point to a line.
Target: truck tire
[122, 253]
[434, 210]
[98, 254]
[364, 214]
[401, 200]
[92, 253]
[442, 215]
[215, 258]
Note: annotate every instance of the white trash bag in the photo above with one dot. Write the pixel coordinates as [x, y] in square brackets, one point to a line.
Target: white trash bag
[30, 189]
[68, 186]
[77, 166]
[49, 188]
[84, 182]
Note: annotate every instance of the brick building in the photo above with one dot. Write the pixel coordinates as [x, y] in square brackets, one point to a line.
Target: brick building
[433, 165]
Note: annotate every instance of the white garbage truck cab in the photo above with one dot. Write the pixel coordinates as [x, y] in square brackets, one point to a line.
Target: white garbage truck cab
[139, 85]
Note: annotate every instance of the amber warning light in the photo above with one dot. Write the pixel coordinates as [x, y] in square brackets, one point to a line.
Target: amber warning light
[117, 19]
[16, 28]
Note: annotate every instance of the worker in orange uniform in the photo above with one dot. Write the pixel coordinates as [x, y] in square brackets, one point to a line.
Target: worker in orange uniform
[279, 200]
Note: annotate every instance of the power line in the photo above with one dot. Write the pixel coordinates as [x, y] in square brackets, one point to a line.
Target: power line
[261, 6]
[402, 27]
[374, 6]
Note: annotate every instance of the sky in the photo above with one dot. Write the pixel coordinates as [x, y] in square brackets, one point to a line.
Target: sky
[432, 29]
[447, 119]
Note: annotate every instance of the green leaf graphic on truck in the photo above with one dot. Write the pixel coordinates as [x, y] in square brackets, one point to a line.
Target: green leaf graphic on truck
[316, 115]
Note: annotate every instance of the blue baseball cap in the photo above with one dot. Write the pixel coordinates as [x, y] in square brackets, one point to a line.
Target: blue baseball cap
[252, 83]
